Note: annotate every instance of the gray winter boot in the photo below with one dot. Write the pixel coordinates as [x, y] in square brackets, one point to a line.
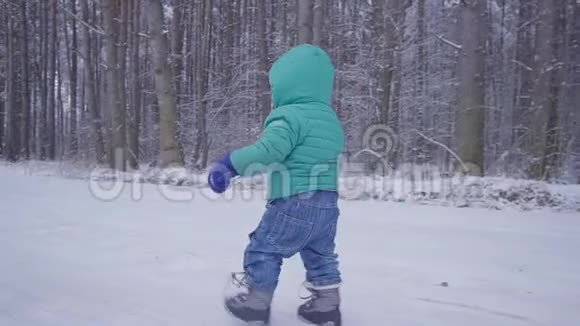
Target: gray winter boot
[322, 307]
[252, 306]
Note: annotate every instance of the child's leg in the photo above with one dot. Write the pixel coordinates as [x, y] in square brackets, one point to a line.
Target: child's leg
[323, 277]
[262, 263]
[321, 261]
[282, 233]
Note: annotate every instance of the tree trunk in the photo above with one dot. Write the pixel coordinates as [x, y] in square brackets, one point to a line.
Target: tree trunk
[3, 78]
[305, 21]
[543, 105]
[391, 63]
[379, 48]
[2, 120]
[178, 62]
[25, 110]
[318, 22]
[122, 72]
[42, 130]
[201, 147]
[523, 90]
[285, 23]
[229, 40]
[263, 91]
[177, 46]
[395, 10]
[135, 108]
[170, 150]
[112, 16]
[34, 70]
[229, 58]
[60, 127]
[2, 104]
[73, 77]
[423, 147]
[574, 86]
[471, 114]
[84, 122]
[91, 85]
[237, 29]
[555, 149]
[12, 97]
[50, 142]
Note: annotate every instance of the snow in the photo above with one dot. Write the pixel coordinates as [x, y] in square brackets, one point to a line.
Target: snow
[68, 258]
[419, 184]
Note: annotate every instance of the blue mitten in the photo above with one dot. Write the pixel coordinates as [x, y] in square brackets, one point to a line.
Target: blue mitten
[220, 174]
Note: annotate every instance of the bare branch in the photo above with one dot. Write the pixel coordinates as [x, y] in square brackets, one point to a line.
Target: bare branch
[445, 147]
[452, 44]
[79, 19]
[523, 65]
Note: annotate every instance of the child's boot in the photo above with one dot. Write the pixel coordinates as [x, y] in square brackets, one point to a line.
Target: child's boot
[252, 306]
[322, 307]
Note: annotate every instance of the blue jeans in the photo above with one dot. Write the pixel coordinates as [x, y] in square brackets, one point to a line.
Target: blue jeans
[305, 224]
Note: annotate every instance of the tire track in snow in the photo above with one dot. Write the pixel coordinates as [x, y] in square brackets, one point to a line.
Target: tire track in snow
[478, 309]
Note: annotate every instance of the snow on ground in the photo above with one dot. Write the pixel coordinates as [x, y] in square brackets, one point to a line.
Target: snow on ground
[68, 258]
[417, 184]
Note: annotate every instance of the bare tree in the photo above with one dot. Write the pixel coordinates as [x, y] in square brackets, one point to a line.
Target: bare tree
[44, 81]
[177, 34]
[25, 110]
[574, 85]
[60, 131]
[422, 150]
[73, 78]
[388, 20]
[13, 100]
[264, 97]
[50, 137]
[136, 86]
[544, 97]
[4, 40]
[470, 114]
[91, 84]
[305, 21]
[122, 46]
[201, 147]
[523, 90]
[407, 64]
[170, 151]
[318, 22]
[112, 17]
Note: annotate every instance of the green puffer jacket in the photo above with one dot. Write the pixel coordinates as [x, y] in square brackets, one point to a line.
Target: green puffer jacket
[303, 137]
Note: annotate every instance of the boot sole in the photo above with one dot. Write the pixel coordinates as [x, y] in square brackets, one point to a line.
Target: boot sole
[328, 323]
[249, 323]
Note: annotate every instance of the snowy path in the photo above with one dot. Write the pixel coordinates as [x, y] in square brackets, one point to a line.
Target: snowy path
[67, 258]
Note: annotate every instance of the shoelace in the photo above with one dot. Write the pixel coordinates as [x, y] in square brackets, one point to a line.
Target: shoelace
[240, 279]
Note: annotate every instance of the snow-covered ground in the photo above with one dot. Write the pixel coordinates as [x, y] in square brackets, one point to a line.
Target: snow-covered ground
[68, 258]
[426, 185]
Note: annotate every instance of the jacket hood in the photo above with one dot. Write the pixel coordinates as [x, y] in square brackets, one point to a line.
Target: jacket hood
[304, 74]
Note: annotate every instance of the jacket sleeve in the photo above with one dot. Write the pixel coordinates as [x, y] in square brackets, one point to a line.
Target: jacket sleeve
[281, 134]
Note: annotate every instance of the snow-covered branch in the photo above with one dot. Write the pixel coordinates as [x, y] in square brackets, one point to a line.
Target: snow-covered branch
[448, 42]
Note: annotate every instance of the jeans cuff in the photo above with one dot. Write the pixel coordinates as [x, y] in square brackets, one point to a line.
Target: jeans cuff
[324, 285]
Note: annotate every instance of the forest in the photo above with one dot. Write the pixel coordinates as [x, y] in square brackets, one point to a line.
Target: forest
[490, 87]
